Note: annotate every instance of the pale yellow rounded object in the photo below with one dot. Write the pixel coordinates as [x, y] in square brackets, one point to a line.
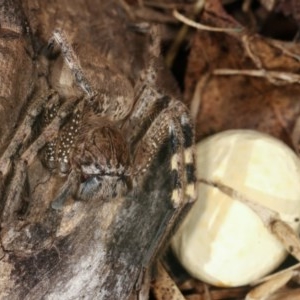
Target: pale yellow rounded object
[222, 241]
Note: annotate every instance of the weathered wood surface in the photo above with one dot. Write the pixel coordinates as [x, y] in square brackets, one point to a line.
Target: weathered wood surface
[17, 66]
[95, 249]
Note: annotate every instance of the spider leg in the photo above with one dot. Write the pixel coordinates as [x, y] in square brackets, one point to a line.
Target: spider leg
[50, 132]
[23, 133]
[158, 116]
[71, 60]
[189, 156]
[172, 124]
[13, 199]
[21, 137]
[154, 90]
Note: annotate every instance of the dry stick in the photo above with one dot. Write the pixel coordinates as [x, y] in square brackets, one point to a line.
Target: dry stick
[278, 78]
[275, 44]
[165, 6]
[164, 286]
[197, 25]
[207, 293]
[295, 268]
[275, 77]
[191, 23]
[182, 33]
[247, 46]
[270, 218]
[284, 48]
[268, 288]
[272, 283]
[197, 96]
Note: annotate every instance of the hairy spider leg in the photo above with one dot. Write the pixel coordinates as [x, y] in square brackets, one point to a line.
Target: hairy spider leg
[167, 127]
[24, 132]
[22, 135]
[50, 132]
[72, 61]
[158, 116]
[59, 148]
[57, 151]
[177, 129]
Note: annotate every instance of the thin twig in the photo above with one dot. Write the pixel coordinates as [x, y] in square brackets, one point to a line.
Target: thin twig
[198, 6]
[270, 218]
[197, 96]
[197, 25]
[275, 77]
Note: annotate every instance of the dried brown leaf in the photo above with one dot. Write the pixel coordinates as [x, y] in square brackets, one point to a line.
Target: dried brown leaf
[250, 81]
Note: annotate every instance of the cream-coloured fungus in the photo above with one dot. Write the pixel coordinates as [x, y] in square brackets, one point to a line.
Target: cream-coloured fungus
[222, 241]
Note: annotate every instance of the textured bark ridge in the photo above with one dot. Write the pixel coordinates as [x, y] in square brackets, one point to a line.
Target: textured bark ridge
[16, 64]
[94, 249]
[97, 250]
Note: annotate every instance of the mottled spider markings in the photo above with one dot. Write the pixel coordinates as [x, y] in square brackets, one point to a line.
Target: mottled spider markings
[188, 168]
[58, 150]
[189, 159]
[112, 131]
